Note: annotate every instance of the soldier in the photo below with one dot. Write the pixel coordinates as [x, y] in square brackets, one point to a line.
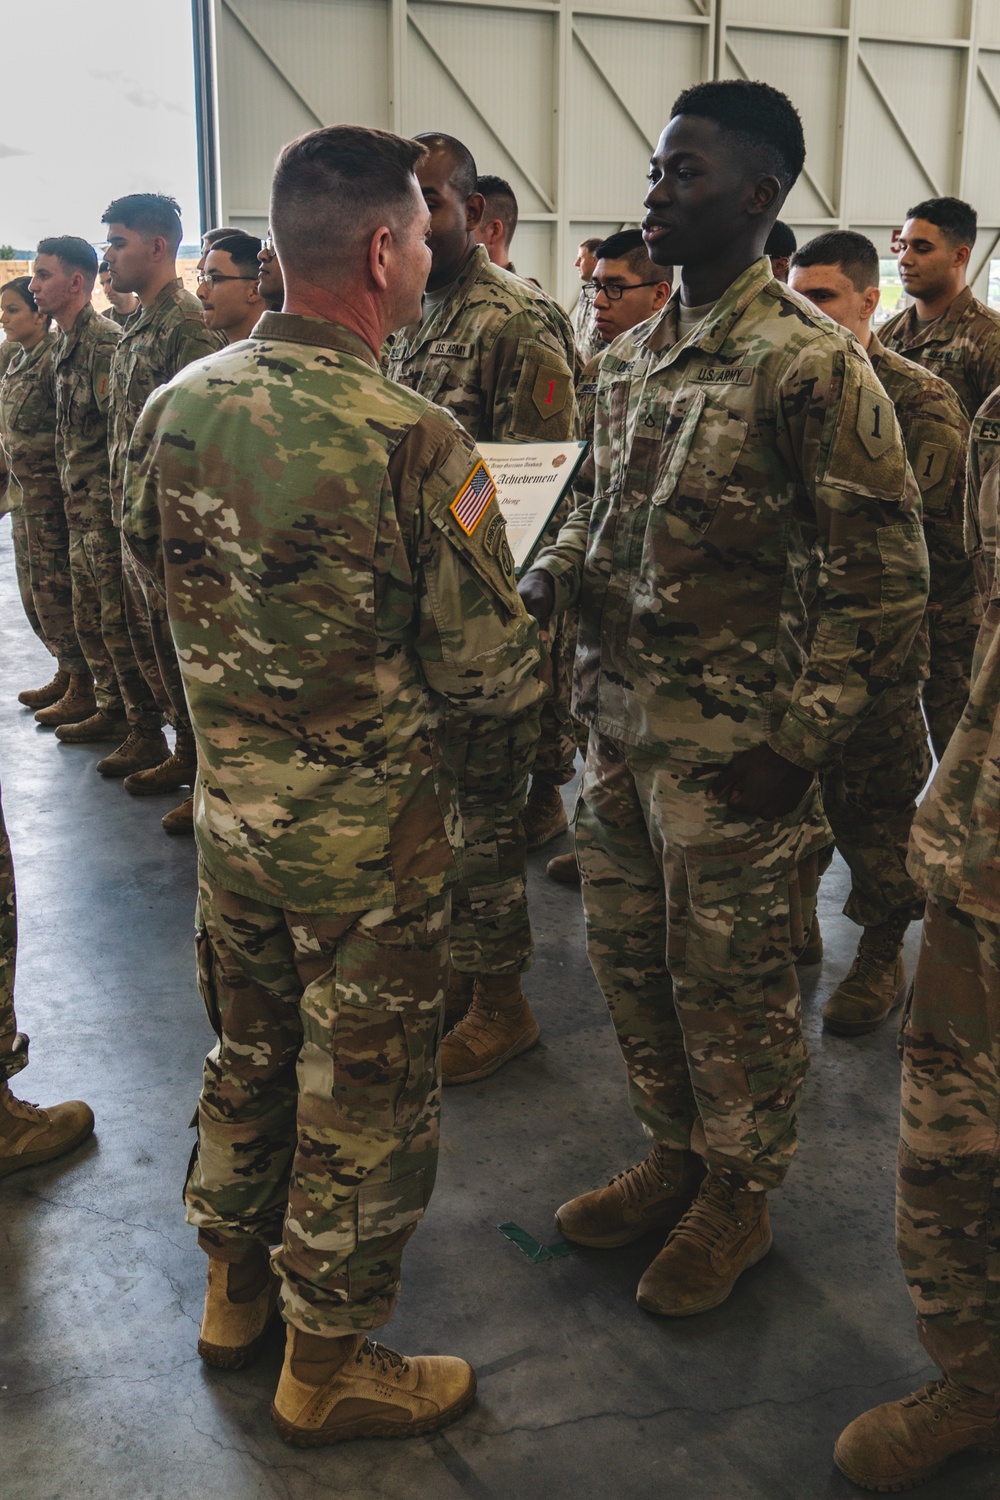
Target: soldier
[585, 333]
[327, 599]
[269, 279]
[211, 237]
[121, 305]
[144, 231]
[949, 1153]
[628, 289]
[34, 493]
[496, 228]
[779, 249]
[871, 796]
[28, 1135]
[733, 434]
[113, 698]
[499, 356]
[947, 329]
[227, 287]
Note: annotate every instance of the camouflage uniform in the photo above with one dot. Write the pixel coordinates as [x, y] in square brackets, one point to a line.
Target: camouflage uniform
[962, 346]
[325, 604]
[870, 796]
[498, 355]
[586, 337]
[155, 343]
[720, 462]
[114, 316]
[13, 1044]
[41, 537]
[82, 361]
[949, 1149]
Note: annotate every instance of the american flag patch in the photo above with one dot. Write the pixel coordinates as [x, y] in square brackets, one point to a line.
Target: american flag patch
[473, 498]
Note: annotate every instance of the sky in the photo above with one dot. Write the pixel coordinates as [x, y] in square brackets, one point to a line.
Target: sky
[101, 103]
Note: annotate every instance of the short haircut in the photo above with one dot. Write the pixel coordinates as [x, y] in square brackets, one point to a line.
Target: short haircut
[222, 232]
[21, 285]
[332, 189]
[464, 174]
[103, 267]
[500, 202]
[628, 245]
[243, 248]
[957, 219]
[593, 244]
[761, 118]
[149, 214]
[781, 241]
[72, 253]
[854, 253]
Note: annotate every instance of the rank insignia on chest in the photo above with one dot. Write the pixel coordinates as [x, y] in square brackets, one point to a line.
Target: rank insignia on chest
[724, 375]
[473, 498]
[445, 349]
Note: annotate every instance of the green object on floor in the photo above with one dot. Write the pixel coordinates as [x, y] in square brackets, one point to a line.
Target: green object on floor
[531, 1248]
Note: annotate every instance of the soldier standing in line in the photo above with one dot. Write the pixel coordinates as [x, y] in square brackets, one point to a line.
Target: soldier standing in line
[114, 699]
[28, 1135]
[948, 1177]
[269, 279]
[227, 287]
[328, 597]
[498, 355]
[733, 436]
[121, 305]
[144, 232]
[870, 798]
[33, 490]
[587, 339]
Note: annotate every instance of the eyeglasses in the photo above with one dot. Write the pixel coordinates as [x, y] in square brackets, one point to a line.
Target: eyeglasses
[212, 278]
[267, 245]
[613, 290]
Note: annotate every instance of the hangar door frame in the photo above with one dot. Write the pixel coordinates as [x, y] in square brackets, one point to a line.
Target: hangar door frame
[900, 100]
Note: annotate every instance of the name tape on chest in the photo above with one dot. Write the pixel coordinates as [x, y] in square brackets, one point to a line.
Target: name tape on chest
[469, 505]
[445, 349]
[587, 388]
[940, 355]
[724, 375]
[986, 430]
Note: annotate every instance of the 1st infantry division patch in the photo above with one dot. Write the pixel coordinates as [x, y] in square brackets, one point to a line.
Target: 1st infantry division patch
[473, 498]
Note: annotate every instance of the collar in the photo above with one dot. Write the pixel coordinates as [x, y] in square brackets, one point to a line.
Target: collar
[477, 263]
[293, 328]
[72, 338]
[664, 333]
[31, 356]
[144, 315]
[942, 330]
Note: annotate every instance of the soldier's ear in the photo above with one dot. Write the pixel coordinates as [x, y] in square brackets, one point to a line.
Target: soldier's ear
[475, 210]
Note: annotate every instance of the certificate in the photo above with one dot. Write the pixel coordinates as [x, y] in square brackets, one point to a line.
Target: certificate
[531, 479]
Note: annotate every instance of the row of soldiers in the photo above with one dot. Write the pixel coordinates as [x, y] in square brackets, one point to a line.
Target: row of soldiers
[748, 559]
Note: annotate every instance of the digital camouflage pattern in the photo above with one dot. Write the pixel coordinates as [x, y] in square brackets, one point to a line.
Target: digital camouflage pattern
[495, 355]
[318, 1118]
[732, 456]
[694, 920]
[13, 1044]
[41, 536]
[962, 346]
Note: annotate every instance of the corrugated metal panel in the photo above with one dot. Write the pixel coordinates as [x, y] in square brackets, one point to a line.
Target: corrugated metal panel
[936, 19]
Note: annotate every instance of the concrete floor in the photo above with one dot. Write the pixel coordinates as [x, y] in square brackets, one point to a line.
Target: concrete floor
[581, 1393]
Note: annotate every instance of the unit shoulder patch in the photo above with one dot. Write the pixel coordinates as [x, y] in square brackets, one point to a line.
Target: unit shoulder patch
[875, 426]
[550, 390]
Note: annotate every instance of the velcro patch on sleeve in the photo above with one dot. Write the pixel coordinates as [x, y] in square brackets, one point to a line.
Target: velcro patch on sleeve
[470, 504]
[875, 425]
[550, 390]
[931, 464]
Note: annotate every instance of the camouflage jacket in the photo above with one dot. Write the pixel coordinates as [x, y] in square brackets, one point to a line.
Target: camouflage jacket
[28, 429]
[155, 343]
[492, 356]
[585, 334]
[332, 580]
[82, 362]
[955, 843]
[962, 346]
[719, 463]
[114, 316]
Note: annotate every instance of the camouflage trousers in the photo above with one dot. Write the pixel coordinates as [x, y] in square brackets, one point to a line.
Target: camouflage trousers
[318, 1116]
[490, 927]
[953, 632]
[153, 646]
[560, 735]
[98, 611]
[948, 1182]
[694, 920]
[13, 1044]
[41, 557]
[870, 799]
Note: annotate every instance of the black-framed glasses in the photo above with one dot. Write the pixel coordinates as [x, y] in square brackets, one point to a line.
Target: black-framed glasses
[267, 244]
[212, 278]
[613, 289]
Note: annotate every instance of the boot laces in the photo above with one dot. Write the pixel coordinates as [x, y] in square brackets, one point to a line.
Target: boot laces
[641, 1182]
[938, 1397]
[387, 1360]
[22, 1110]
[713, 1217]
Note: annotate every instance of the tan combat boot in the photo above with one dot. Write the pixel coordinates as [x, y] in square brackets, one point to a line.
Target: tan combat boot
[180, 819]
[812, 953]
[29, 1135]
[724, 1232]
[107, 724]
[43, 697]
[332, 1389]
[179, 769]
[564, 870]
[653, 1195]
[139, 751]
[875, 983]
[499, 1026]
[896, 1446]
[77, 702]
[240, 1300]
[458, 998]
[544, 817]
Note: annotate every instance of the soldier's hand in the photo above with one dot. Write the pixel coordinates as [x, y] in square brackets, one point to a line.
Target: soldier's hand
[760, 783]
[538, 595]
